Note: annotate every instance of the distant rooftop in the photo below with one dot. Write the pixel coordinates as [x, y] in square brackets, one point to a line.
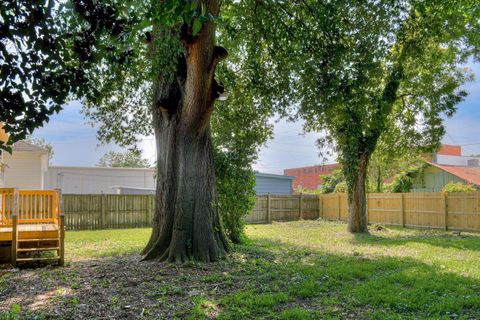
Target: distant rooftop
[23, 146]
[469, 174]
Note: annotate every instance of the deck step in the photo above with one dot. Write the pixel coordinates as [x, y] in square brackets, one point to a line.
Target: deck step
[37, 249]
[37, 240]
[38, 259]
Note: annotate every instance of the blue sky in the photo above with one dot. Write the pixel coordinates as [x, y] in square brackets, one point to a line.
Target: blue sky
[75, 143]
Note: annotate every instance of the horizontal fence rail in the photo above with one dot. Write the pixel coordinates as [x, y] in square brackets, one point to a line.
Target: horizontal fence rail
[455, 211]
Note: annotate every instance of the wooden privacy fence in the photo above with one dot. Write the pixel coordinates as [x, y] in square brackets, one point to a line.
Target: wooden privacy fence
[455, 211]
[101, 211]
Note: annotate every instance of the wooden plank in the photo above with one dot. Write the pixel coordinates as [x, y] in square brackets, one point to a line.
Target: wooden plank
[338, 207]
[300, 205]
[320, 211]
[62, 240]
[16, 199]
[269, 209]
[445, 211]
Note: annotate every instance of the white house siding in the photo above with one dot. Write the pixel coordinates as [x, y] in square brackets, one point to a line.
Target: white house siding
[433, 179]
[96, 180]
[25, 169]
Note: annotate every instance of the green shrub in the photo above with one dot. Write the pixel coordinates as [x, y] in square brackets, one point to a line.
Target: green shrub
[458, 187]
[341, 187]
[235, 192]
[403, 181]
[330, 181]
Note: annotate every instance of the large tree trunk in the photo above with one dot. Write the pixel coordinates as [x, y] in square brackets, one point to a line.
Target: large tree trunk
[187, 224]
[357, 201]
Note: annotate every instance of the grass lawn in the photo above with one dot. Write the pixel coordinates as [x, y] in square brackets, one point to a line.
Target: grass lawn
[296, 270]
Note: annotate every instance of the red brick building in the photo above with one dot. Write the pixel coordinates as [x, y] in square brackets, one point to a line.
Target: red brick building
[310, 177]
[450, 150]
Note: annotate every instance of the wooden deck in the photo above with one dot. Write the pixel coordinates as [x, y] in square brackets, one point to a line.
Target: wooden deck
[31, 226]
[30, 231]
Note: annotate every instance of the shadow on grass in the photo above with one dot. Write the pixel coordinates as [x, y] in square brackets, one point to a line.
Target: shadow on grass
[263, 279]
[429, 237]
[352, 286]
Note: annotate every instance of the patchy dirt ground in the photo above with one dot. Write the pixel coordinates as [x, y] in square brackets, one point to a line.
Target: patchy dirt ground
[109, 288]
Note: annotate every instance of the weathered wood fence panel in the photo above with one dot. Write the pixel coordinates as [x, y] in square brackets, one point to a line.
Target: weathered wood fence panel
[456, 211]
[97, 211]
[259, 212]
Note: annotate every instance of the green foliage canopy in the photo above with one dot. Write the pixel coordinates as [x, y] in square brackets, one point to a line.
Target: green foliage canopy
[356, 69]
[36, 73]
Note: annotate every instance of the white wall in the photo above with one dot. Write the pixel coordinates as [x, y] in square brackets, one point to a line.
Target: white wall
[95, 180]
[25, 169]
[451, 160]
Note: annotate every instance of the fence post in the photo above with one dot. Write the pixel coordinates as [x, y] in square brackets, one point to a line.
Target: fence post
[300, 209]
[269, 210]
[62, 239]
[445, 210]
[338, 207]
[320, 213]
[102, 212]
[15, 214]
[402, 209]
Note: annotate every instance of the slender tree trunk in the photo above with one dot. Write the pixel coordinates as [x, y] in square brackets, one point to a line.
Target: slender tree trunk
[357, 200]
[186, 223]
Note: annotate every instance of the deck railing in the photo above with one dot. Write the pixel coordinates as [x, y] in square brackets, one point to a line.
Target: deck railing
[32, 206]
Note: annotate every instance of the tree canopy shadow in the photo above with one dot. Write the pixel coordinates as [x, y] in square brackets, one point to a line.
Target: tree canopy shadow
[263, 279]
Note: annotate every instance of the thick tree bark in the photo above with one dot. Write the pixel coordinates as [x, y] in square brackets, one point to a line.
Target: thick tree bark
[357, 200]
[186, 223]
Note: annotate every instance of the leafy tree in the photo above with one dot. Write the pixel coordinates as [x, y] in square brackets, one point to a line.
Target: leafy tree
[129, 159]
[40, 142]
[162, 54]
[178, 60]
[239, 125]
[391, 158]
[143, 67]
[34, 77]
[355, 70]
